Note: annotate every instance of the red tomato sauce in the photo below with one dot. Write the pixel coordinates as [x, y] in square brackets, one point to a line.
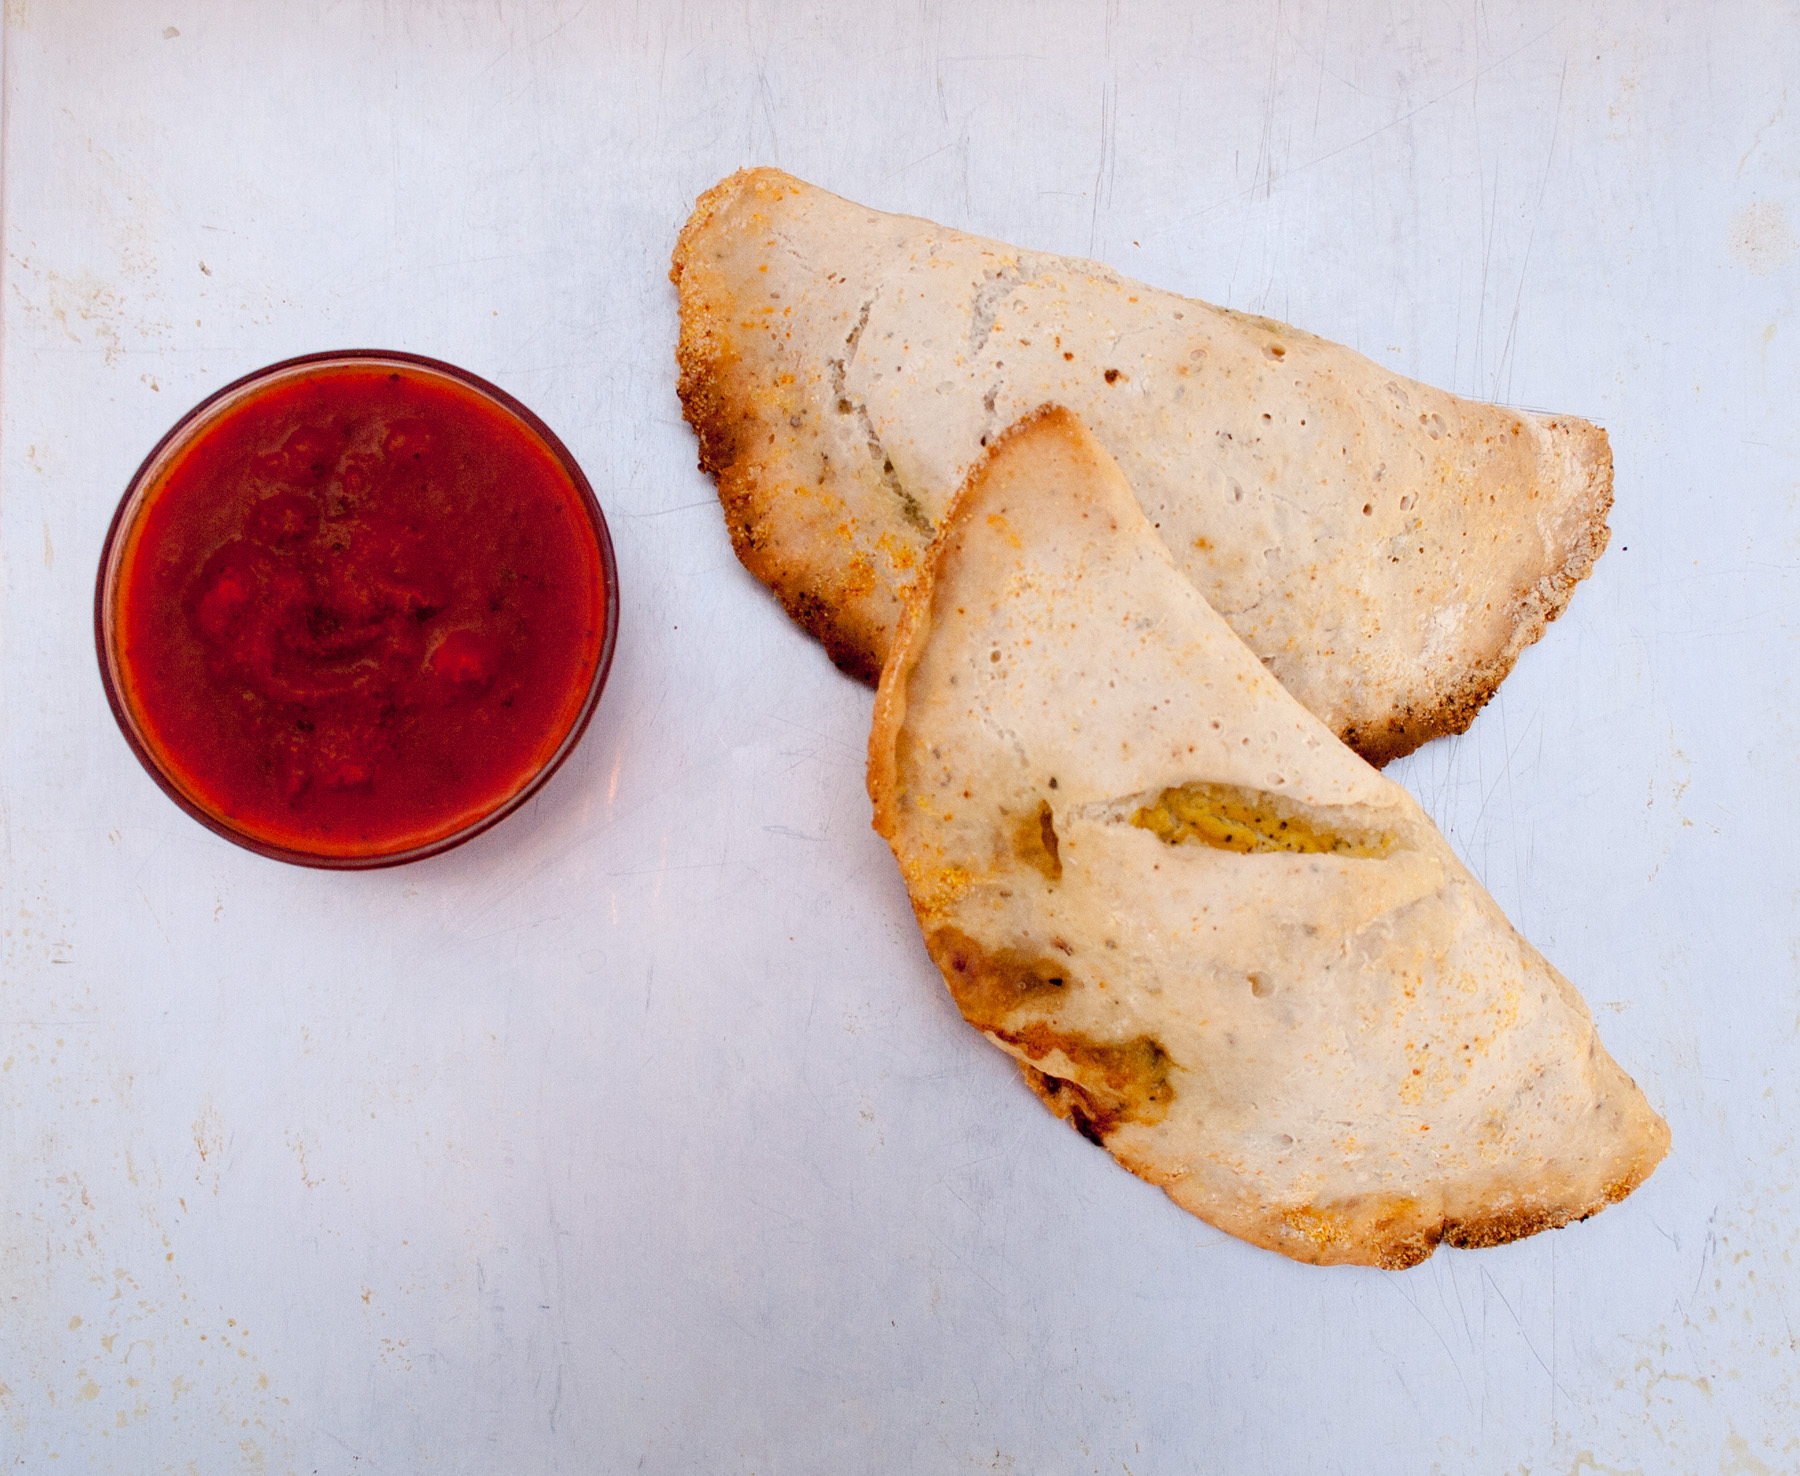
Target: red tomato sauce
[360, 611]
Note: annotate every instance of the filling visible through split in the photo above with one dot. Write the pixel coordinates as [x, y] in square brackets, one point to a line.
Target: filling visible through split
[1249, 820]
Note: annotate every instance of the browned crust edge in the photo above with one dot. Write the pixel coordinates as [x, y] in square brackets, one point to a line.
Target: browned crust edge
[703, 357]
[1533, 607]
[1402, 1241]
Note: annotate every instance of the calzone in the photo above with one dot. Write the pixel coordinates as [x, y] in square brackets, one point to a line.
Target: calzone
[1387, 549]
[1219, 942]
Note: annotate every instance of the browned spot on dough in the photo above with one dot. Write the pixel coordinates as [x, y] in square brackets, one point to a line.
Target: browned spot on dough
[1112, 1083]
[1034, 842]
[1069, 1102]
[990, 986]
[1095, 1107]
[1005, 993]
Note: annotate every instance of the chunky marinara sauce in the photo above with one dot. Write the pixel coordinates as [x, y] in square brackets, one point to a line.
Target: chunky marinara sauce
[360, 611]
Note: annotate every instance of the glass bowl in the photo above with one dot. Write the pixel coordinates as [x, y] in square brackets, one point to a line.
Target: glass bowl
[355, 609]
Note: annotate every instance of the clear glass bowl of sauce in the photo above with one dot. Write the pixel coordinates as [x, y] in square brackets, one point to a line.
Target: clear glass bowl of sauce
[356, 608]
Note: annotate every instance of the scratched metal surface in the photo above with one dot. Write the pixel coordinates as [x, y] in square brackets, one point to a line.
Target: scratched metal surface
[640, 1134]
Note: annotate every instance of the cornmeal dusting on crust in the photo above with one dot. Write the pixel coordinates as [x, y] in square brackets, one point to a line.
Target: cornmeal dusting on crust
[1218, 943]
[1386, 548]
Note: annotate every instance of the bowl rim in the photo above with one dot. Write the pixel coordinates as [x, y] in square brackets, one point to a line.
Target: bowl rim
[209, 412]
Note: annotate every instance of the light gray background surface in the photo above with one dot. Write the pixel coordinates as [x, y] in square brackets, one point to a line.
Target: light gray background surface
[640, 1134]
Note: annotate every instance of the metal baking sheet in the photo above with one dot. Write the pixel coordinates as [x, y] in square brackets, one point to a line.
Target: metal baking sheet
[640, 1134]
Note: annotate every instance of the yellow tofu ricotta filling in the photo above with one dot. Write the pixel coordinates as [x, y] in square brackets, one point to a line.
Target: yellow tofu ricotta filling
[1249, 820]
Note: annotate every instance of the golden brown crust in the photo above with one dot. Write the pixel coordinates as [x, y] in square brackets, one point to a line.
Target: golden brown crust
[1398, 1233]
[729, 421]
[1588, 467]
[1338, 1052]
[839, 550]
